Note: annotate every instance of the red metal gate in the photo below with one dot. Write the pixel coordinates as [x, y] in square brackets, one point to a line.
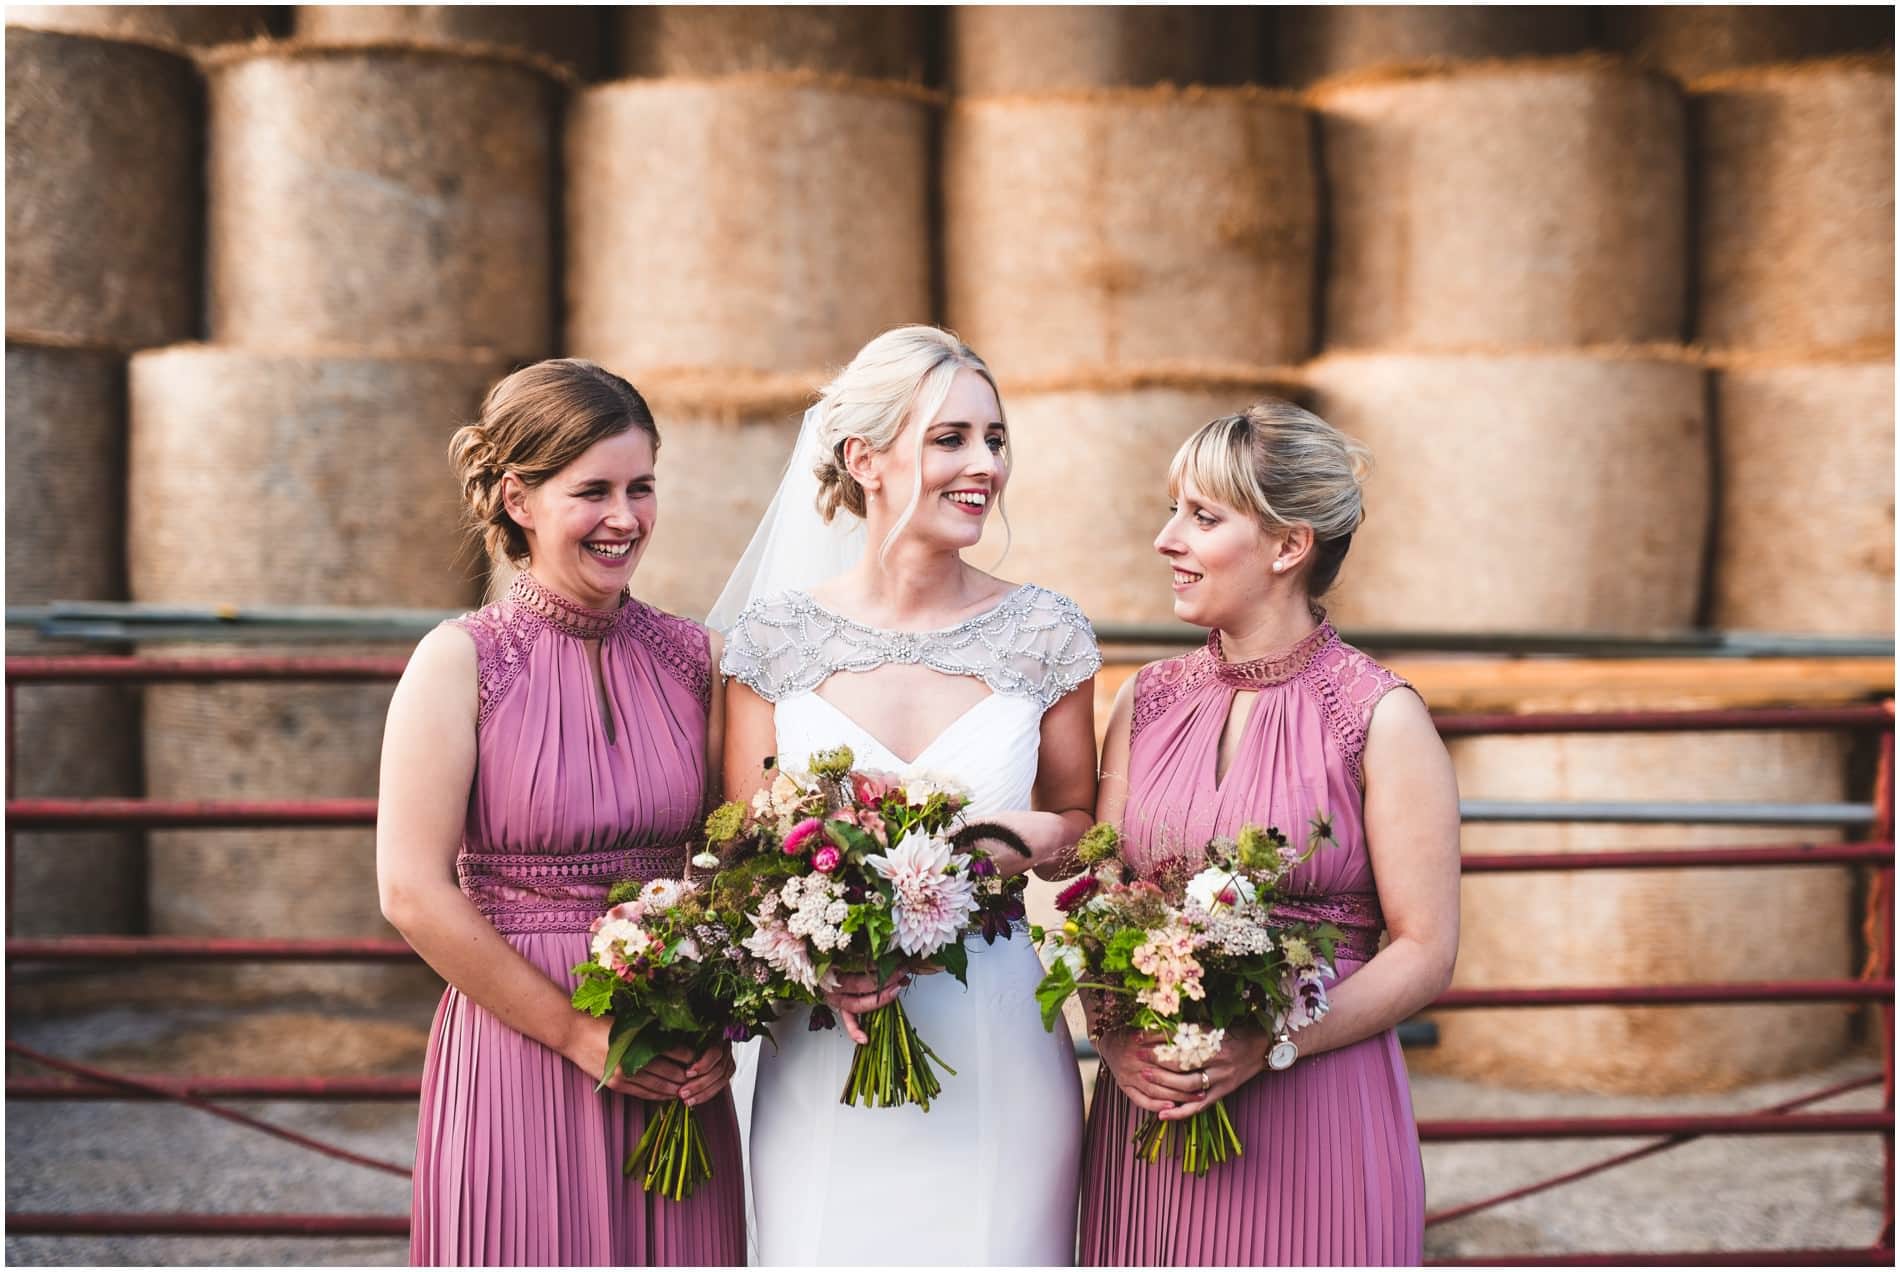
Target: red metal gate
[1875, 986]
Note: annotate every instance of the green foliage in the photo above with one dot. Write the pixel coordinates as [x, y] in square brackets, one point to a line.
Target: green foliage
[1056, 986]
[725, 822]
[834, 764]
[595, 993]
[1118, 955]
[1100, 843]
[851, 840]
[625, 890]
[956, 961]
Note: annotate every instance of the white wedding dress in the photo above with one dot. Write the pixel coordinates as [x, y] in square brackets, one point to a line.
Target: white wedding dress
[988, 1175]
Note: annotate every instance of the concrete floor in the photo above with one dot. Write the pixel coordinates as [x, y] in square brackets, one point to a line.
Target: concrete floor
[1735, 1192]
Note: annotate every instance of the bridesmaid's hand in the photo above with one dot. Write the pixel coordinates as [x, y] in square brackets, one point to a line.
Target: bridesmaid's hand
[587, 1049]
[707, 1073]
[1131, 1062]
[859, 992]
[1242, 1057]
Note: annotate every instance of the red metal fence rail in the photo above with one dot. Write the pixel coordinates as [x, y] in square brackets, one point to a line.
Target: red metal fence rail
[1875, 986]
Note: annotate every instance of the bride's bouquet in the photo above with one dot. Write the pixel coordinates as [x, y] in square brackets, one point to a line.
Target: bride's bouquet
[663, 962]
[1189, 953]
[845, 870]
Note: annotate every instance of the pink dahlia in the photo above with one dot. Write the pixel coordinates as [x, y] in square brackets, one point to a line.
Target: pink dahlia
[783, 951]
[795, 840]
[934, 898]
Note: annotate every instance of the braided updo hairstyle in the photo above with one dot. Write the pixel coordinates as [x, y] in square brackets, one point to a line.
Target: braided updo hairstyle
[1286, 466]
[534, 423]
[903, 374]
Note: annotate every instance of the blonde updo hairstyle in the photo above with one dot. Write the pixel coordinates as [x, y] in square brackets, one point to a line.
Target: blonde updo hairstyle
[1285, 466]
[534, 423]
[902, 375]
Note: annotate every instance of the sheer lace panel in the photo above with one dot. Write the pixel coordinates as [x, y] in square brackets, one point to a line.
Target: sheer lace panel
[1034, 644]
[1349, 685]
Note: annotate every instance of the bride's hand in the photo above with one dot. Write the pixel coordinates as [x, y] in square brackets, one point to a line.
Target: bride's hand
[1242, 1057]
[859, 992]
[1131, 1062]
[707, 1073]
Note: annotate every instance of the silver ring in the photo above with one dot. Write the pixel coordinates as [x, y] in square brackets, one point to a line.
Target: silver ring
[1206, 1085]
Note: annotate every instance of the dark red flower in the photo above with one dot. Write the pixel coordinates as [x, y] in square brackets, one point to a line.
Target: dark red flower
[1076, 893]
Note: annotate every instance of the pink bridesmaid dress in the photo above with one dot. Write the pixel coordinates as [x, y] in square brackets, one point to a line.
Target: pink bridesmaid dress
[1331, 1172]
[517, 1156]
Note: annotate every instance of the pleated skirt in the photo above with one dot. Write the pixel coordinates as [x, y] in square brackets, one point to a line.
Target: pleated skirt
[518, 1157]
[1331, 1174]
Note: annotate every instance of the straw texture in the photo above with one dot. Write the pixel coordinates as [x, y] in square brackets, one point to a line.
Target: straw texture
[65, 535]
[103, 203]
[1562, 492]
[1647, 926]
[768, 223]
[180, 24]
[388, 199]
[871, 41]
[1123, 227]
[1036, 48]
[1088, 490]
[1312, 42]
[1565, 227]
[1692, 40]
[568, 34]
[1804, 535]
[1795, 235]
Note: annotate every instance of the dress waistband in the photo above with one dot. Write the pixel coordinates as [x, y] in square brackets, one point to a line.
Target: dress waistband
[558, 892]
[1357, 915]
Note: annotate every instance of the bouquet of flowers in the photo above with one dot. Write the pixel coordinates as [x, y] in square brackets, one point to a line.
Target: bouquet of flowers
[663, 963]
[1189, 954]
[847, 870]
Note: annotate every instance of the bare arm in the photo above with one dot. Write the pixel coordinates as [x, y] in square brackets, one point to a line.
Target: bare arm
[750, 737]
[428, 768]
[716, 724]
[1062, 802]
[1411, 817]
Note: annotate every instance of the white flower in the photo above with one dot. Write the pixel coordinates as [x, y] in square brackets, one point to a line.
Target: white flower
[706, 860]
[1192, 1046]
[662, 894]
[920, 785]
[785, 952]
[1072, 957]
[933, 900]
[687, 949]
[1215, 887]
[619, 941]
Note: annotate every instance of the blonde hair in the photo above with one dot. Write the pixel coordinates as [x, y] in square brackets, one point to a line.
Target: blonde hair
[1287, 467]
[534, 423]
[902, 375]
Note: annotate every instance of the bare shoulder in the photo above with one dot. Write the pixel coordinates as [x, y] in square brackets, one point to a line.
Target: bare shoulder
[442, 670]
[1401, 713]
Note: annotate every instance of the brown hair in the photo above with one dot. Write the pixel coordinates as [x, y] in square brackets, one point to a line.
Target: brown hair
[534, 423]
[1286, 466]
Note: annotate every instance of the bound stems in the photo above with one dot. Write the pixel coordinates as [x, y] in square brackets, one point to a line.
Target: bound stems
[893, 1068]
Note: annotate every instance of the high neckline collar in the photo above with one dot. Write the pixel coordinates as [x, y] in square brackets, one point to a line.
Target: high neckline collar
[564, 615]
[1275, 668]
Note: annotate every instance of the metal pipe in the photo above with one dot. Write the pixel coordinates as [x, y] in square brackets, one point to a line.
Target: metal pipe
[1683, 858]
[115, 669]
[1542, 1128]
[156, 814]
[1654, 812]
[1853, 717]
[1660, 995]
[44, 1224]
[174, 949]
[220, 1088]
[1846, 1257]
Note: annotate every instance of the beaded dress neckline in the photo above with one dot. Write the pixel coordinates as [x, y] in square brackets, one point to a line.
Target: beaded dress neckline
[1275, 668]
[563, 615]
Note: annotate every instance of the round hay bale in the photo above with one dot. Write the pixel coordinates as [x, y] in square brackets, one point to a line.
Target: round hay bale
[1804, 526]
[869, 41]
[1529, 492]
[272, 741]
[1565, 227]
[1102, 446]
[1041, 48]
[274, 479]
[568, 34]
[388, 198]
[179, 24]
[1315, 41]
[1795, 207]
[65, 541]
[770, 223]
[1140, 225]
[1647, 927]
[103, 197]
[1691, 40]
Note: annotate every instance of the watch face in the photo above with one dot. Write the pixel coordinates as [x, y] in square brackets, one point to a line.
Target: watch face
[1282, 1056]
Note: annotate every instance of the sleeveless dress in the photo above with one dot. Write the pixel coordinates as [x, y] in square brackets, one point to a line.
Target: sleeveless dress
[1331, 1172]
[517, 1156]
[988, 1175]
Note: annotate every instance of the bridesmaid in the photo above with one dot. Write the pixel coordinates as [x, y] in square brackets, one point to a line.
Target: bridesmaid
[537, 751]
[1276, 719]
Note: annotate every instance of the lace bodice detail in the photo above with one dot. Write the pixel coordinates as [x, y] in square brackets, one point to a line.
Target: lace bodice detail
[1346, 683]
[1034, 644]
[505, 631]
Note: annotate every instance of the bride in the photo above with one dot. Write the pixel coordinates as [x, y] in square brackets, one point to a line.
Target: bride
[919, 662]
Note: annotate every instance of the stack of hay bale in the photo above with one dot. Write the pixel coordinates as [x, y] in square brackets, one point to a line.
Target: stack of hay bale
[744, 209]
[1133, 257]
[379, 250]
[103, 227]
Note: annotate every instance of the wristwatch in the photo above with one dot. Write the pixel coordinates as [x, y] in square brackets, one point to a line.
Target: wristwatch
[1283, 1053]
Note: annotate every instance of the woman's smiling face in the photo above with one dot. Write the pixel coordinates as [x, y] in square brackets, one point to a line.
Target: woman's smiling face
[588, 525]
[1221, 557]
